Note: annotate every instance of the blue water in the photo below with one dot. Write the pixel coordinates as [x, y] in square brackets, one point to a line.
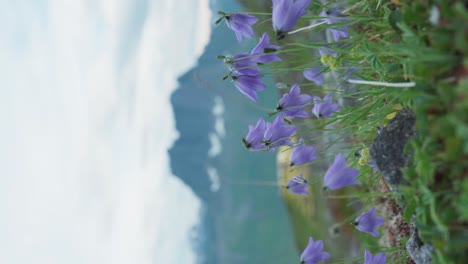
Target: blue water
[242, 222]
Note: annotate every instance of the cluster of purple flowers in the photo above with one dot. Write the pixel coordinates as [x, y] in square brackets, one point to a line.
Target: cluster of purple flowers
[314, 253]
[244, 67]
[268, 136]
[247, 78]
[331, 17]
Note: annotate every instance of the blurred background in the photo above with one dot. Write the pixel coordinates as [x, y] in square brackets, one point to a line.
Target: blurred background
[122, 144]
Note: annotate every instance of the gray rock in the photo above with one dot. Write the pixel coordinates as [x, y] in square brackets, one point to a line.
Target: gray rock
[418, 251]
[387, 148]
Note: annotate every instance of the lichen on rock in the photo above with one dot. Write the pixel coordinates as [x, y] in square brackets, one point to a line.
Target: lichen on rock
[387, 148]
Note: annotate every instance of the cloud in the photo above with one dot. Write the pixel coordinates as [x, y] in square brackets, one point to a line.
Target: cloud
[86, 173]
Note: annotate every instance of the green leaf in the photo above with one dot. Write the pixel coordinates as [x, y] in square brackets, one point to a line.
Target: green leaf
[376, 64]
[409, 210]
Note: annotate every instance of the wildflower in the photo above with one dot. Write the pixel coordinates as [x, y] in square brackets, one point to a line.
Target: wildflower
[379, 258]
[367, 222]
[339, 176]
[324, 108]
[314, 253]
[277, 133]
[265, 51]
[314, 75]
[249, 85]
[298, 185]
[331, 61]
[292, 103]
[253, 139]
[286, 13]
[366, 159]
[365, 156]
[241, 24]
[244, 64]
[327, 51]
[302, 154]
[333, 16]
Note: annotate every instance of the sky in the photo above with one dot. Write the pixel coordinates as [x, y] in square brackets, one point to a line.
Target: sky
[85, 125]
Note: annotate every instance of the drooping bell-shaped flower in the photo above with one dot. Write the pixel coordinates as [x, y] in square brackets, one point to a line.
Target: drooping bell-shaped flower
[244, 64]
[249, 85]
[292, 103]
[379, 258]
[277, 133]
[265, 52]
[368, 222]
[314, 75]
[241, 24]
[334, 16]
[286, 13]
[302, 154]
[324, 108]
[298, 185]
[327, 51]
[253, 139]
[314, 253]
[339, 176]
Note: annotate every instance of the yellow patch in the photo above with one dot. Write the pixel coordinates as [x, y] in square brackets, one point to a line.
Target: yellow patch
[395, 110]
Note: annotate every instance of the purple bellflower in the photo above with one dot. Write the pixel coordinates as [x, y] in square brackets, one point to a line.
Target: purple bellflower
[253, 139]
[241, 24]
[249, 85]
[327, 51]
[368, 222]
[264, 51]
[314, 253]
[292, 103]
[301, 154]
[379, 258]
[339, 176]
[314, 75]
[324, 108]
[277, 133]
[244, 64]
[286, 13]
[333, 16]
[298, 185]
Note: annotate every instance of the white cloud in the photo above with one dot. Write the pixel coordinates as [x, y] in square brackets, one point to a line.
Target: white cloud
[84, 146]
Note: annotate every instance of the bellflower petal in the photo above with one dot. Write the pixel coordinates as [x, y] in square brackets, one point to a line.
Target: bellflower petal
[249, 85]
[253, 139]
[314, 75]
[379, 258]
[368, 222]
[292, 103]
[349, 73]
[277, 133]
[314, 253]
[241, 24]
[298, 185]
[339, 176]
[327, 51]
[265, 51]
[333, 16]
[286, 13]
[302, 154]
[245, 64]
[324, 108]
